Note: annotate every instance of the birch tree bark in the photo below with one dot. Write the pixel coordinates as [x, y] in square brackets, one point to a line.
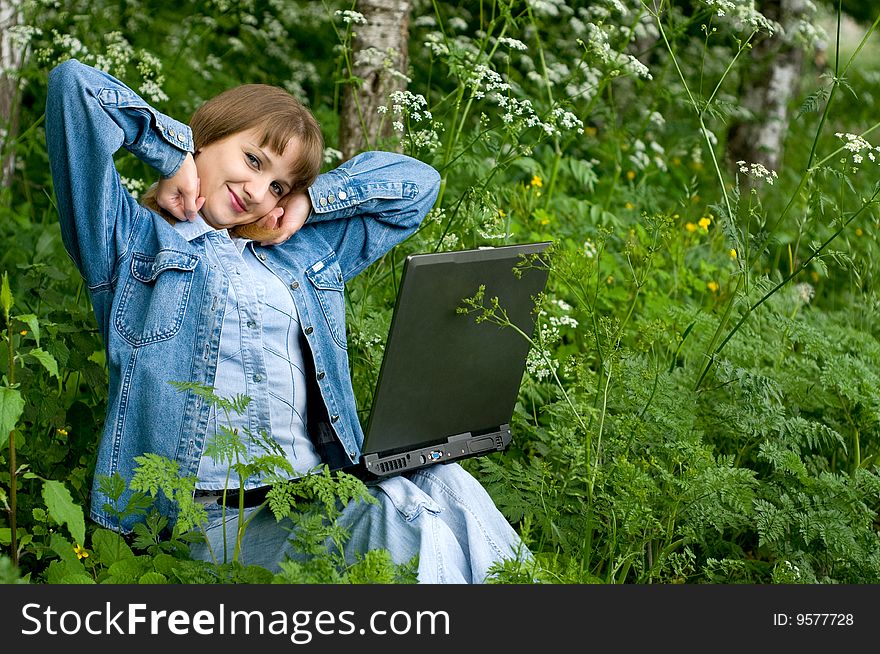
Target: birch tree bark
[10, 60]
[380, 60]
[776, 65]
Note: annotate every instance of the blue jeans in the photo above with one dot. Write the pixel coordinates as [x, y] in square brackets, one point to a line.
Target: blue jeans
[440, 513]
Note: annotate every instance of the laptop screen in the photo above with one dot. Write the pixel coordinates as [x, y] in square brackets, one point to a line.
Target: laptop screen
[443, 373]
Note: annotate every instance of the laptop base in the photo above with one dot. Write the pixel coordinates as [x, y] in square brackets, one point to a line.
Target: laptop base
[456, 447]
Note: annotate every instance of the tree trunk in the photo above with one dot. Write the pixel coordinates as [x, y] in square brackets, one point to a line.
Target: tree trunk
[776, 63]
[380, 60]
[10, 60]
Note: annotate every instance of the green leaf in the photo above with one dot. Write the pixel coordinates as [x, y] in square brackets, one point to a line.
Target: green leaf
[11, 408]
[31, 321]
[63, 509]
[81, 579]
[46, 359]
[5, 297]
[109, 547]
[153, 578]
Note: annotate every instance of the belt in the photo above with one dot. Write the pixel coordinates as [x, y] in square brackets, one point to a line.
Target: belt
[252, 497]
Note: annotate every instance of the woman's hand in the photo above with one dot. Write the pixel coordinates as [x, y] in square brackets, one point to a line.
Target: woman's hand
[279, 224]
[179, 194]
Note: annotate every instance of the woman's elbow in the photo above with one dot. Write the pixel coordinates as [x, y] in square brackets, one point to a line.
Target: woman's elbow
[67, 72]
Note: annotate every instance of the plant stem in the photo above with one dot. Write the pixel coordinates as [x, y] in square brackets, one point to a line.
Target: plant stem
[13, 482]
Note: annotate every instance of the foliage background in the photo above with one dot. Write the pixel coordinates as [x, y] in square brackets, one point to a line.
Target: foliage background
[702, 400]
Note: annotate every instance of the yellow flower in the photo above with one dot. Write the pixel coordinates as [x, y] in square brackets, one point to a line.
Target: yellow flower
[628, 205]
[544, 221]
[630, 175]
[610, 279]
[61, 431]
[733, 254]
[704, 222]
[501, 213]
[859, 231]
[690, 227]
[536, 181]
[81, 553]
[23, 332]
[713, 286]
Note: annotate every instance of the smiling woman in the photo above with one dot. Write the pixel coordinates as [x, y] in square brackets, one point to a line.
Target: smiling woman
[255, 146]
[183, 301]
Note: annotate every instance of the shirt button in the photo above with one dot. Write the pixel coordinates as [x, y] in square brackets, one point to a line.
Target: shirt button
[331, 198]
[261, 256]
[320, 375]
[334, 417]
[323, 201]
[181, 137]
[258, 377]
[251, 324]
[171, 131]
[341, 195]
[309, 330]
[294, 285]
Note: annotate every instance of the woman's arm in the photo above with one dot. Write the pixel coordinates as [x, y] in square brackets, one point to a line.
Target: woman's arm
[89, 116]
[369, 204]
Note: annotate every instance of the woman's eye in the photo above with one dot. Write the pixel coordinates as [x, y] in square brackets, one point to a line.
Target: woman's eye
[252, 159]
[277, 190]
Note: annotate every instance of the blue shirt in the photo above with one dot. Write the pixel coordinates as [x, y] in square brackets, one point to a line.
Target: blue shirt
[160, 299]
[259, 356]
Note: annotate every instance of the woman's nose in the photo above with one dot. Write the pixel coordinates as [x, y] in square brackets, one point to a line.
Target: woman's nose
[256, 190]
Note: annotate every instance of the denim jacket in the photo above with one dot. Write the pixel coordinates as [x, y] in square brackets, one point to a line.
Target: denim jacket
[158, 301]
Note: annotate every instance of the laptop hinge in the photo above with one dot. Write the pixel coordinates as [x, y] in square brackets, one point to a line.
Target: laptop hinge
[459, 446]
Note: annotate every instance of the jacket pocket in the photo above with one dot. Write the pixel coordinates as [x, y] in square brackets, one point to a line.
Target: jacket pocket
[155, 296]
[326, 279]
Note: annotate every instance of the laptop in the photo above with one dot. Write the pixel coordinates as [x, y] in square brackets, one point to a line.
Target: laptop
[448, 385]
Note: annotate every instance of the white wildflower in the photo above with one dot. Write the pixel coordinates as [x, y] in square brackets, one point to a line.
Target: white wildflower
[331, 155]
[348, 17]
[757, 171]
[804, 292]
[513, 44]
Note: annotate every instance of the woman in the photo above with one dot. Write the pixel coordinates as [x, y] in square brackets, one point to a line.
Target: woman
[181, 296]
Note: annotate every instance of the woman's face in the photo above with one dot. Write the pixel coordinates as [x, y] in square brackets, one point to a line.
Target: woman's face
[241, 181]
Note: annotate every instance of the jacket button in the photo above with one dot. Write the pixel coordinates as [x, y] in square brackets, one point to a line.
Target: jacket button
[309, 330]
[334, 418]
[320, 375]
[261, 256]
[341, 195]
[323, 202]
[294, 285]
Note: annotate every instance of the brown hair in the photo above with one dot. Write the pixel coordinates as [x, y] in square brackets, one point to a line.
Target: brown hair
[278, 117]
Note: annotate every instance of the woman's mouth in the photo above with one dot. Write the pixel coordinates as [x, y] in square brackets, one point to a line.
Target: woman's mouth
[235, 201]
